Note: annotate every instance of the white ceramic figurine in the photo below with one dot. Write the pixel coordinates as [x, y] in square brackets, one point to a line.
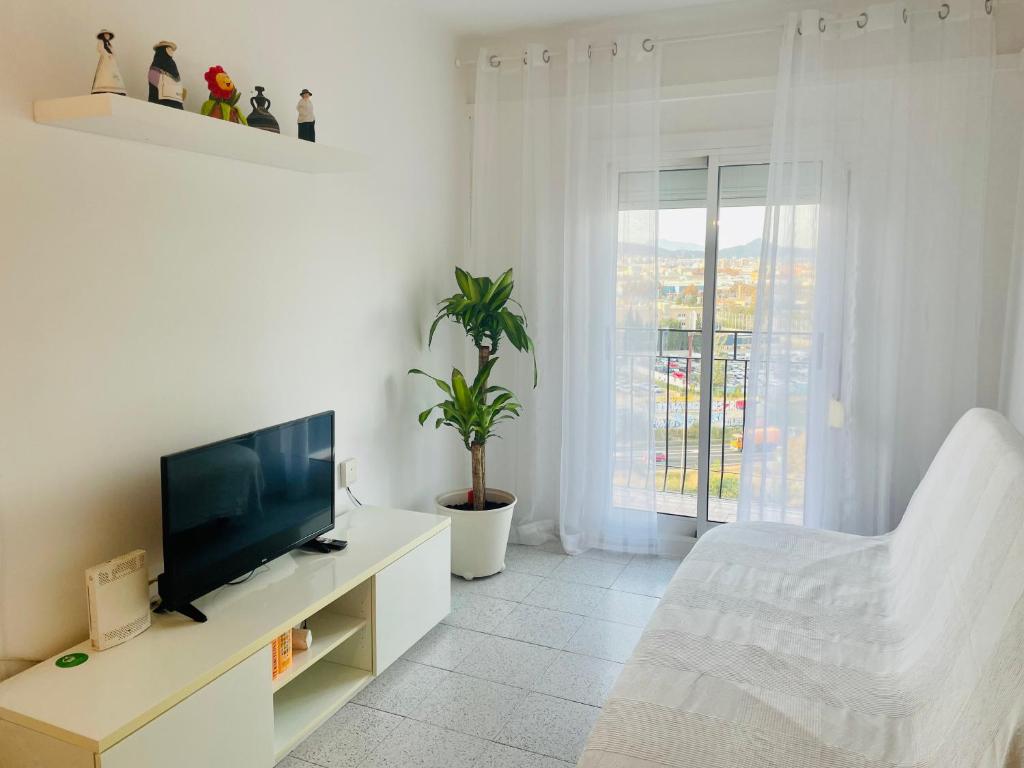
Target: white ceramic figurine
[108, 75]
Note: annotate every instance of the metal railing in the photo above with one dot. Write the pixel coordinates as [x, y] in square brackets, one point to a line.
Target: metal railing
[732, 352]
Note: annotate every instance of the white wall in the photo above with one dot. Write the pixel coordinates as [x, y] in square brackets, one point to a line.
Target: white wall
[152, 300]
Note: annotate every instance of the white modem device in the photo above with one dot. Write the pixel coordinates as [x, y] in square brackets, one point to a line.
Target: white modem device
[118, 592]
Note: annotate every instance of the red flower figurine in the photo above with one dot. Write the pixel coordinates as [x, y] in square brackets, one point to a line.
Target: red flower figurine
[223, 96]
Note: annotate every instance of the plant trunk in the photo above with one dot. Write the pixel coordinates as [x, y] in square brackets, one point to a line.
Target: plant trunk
[479, 482]
[483, 355]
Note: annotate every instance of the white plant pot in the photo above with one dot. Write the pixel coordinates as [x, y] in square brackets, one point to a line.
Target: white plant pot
[479, 539]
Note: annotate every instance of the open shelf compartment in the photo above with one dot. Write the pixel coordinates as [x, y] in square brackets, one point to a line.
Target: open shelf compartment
[300, 708]
[324, 677]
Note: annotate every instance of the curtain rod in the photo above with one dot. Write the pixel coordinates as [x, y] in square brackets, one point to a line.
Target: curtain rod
[861, 19]
[648, 44]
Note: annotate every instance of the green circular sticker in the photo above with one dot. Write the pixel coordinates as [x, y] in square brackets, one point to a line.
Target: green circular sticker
[72, 660]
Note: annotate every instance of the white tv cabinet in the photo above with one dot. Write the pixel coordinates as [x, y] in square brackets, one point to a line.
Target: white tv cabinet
[202, 695]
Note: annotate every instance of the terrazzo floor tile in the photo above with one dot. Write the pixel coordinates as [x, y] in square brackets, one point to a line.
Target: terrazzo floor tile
[585, 570]
[540, 626]
[470, 705]
[533, 560]
[604, 640]
[401, 688]
[294, 762]
[550, 726]
[507, 585]
[604, 554]
[508, 661]
[647, 576]
[624, 607]
[565, 596]
[503, 756]
[421, 745]
[444, 646]
[477, 612]
[580, 678]
[345, 739]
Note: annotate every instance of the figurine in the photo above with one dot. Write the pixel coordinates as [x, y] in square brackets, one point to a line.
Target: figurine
[108, 75]
[164, 80]
[307, 120]
[260, 116]
[223, 97]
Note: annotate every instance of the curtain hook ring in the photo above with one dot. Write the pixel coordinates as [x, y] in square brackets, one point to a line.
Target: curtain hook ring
[821, 24]
[988, 7]
[525, 61]
[590, 51]
[862, 20]
[906, 15]
[799, 31]
[494, 60]
[944, 11]
[647, 45]
[546, 56]
[615, 48]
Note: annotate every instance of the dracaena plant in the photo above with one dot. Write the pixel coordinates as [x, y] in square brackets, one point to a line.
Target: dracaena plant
[474, 410]
[481, 308]
[468, 412]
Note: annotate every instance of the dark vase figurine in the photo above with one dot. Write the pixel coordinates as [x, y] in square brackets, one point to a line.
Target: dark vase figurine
[260, 116]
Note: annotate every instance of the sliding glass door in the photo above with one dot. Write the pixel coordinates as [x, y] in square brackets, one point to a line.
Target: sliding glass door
[680, 413]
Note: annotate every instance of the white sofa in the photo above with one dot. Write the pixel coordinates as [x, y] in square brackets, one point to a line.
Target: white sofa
[793, 648]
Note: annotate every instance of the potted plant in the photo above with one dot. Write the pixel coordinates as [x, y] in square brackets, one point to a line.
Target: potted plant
[481, 516]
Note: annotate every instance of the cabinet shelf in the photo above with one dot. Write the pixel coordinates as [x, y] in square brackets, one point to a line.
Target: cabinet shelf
[122, 117]
[300, 708]
[329, 631]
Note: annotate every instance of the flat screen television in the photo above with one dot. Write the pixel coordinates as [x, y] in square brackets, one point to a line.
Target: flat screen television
[231, 506]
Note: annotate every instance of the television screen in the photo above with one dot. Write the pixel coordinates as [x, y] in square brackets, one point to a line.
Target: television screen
[233, 505]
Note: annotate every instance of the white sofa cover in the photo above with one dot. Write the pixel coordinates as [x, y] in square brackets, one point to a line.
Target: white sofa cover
[785, 647]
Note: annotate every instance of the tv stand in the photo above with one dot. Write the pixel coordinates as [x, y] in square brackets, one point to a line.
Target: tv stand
[187, 609]
[210, 684]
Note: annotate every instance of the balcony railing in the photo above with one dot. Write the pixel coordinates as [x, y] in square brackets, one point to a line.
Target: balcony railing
[679, 359]
[658, 382]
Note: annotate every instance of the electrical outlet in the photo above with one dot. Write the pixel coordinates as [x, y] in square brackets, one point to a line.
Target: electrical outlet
[347, 473]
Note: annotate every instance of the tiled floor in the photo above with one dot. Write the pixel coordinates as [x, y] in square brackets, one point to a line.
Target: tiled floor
[513, 678]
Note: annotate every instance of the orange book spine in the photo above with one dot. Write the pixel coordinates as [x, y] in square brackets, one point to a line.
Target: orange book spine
[275, 655]
[285, 652]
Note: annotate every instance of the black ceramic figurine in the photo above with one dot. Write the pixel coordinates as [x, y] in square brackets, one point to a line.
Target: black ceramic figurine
[307, 120]
[164, 80]
[260, 116]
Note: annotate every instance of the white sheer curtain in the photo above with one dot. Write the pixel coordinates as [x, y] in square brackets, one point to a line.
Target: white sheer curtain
[550, 140]
[868, 304]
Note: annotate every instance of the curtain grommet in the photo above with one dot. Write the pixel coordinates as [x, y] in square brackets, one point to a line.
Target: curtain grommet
[590, 51]
[906, 15]
[615, 48]
[988, 7]
[494, 60]
[821, 24]
[546, 56]
[862, 20]
[944, 11]
[647, 45]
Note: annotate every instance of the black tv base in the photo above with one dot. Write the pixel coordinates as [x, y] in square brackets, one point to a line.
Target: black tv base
[187, 609]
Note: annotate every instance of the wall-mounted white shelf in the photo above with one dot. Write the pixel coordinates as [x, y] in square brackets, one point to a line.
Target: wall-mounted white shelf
[123, 117]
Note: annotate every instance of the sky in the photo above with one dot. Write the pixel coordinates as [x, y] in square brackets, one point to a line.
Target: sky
[736, 225]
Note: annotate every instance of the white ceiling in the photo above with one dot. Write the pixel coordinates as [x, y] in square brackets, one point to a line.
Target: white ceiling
[488, 17]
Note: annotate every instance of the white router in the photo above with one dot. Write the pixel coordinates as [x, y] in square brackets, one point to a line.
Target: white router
[118, 592]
